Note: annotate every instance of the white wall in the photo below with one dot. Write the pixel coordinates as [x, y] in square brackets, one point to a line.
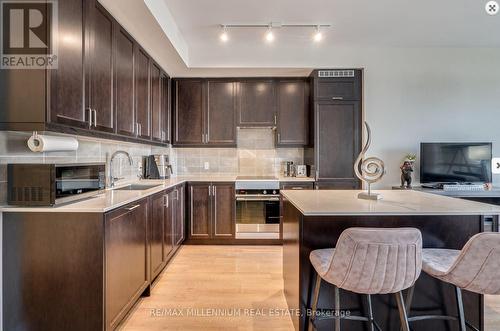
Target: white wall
[430, 95]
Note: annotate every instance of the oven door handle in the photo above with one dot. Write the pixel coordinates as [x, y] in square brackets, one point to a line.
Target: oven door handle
[257, 198]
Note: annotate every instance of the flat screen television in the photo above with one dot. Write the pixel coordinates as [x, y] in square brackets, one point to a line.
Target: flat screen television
[455, 162]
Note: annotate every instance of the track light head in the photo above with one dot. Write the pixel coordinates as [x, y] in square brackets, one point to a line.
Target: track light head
[224, 37]
[318, 36]
[269, 34]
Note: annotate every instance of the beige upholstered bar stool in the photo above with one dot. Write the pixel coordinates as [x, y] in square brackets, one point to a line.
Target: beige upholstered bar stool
[368, 261]
[476, 268]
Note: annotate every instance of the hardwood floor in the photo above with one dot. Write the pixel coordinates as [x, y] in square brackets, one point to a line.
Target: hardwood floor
[233, 279]
[244, 283]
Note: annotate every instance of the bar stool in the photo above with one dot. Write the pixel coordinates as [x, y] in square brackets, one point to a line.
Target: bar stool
[368, 261]
[476, 268]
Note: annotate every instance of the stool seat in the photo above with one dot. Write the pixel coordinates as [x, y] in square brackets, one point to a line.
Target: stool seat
[321, 259]
[438, 262]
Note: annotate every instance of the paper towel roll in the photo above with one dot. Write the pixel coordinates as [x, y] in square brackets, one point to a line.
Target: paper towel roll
[43, 143]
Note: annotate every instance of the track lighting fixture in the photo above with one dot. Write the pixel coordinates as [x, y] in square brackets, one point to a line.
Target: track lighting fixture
[269, 35]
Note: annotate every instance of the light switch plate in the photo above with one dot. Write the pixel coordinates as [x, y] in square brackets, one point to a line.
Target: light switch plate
[206, 165]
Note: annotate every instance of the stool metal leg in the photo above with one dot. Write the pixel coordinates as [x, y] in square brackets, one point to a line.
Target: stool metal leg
[370, 312]
[402, 311]
[460, 309]
[337, 309]
[314, 307]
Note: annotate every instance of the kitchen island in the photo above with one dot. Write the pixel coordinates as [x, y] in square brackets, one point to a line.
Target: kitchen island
[315, 219]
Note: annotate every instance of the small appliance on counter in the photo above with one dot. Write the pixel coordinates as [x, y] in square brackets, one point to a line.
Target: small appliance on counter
[302, 171]
[156, 167]
[53, 184]
[288, 169]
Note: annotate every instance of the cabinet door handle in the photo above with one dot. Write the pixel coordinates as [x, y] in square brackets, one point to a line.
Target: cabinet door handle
[132, 208]
[279, 137]
[90, 116]
[165, 201]
[206, 138]
[275, 119]
[202, 138]
[95, 118]
[177, 195]
[337, 98]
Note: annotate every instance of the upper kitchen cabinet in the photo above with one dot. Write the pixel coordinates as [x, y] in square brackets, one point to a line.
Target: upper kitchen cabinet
[221, 113]
[337, 85]
[66, 83]
[188, 112]
[157, 132]
[124, 83]
[102, 86]
[142, 93]
[165, 107]
[100, 68]
[293, 112]
[204, 112]
[257, 103]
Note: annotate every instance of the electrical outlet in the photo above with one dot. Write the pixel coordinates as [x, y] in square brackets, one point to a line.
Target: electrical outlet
[206, 165]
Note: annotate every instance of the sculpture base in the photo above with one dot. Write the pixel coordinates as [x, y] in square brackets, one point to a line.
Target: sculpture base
[369, 196]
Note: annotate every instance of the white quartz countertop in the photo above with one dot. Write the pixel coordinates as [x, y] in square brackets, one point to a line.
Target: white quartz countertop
[343, 202]
[112, 199]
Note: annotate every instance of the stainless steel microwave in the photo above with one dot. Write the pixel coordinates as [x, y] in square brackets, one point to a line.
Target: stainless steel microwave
[53, 184]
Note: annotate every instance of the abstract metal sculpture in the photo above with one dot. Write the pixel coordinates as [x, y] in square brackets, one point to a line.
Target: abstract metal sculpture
[369, 170]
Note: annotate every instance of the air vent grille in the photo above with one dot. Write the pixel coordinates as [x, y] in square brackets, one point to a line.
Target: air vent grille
[335, 73]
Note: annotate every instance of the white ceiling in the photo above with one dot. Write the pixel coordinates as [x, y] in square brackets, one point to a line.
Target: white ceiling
[355, 24]
[183, 35]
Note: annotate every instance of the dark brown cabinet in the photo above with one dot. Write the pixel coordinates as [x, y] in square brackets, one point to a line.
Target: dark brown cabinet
[296, 185]
[220, 128]
[157, 230]
[179, 215]
[204, 112]
[142, 93]
[101, 87]
[165, 107]
[257, 103]
[211, 211]
[100, 68]
[66, 83]
[156, 103]
[337, 129]
[293, 112]
[223, 214]
[188, 112]
[126, 275]
[124, 83]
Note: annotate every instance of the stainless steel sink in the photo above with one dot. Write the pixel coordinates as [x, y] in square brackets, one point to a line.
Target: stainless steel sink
[136, 187]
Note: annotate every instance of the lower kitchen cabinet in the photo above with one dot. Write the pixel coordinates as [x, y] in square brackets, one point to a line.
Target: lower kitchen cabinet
[211, 211]
[296, 185]
[126, 271]
[179, 215]
[166, 227]
[159, 236]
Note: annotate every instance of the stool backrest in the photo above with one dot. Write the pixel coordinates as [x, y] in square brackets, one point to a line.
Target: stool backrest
[376, 261]
[477, 269]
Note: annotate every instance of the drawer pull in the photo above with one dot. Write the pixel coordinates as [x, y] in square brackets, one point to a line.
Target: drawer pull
[132, 208]
[337, 98]
[297, 188]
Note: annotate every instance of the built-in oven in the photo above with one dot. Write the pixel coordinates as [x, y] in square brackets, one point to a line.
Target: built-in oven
[53, 184]
[257, 210]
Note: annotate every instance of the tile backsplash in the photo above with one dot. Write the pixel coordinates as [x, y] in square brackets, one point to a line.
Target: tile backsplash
[255, 155]
[13, 149]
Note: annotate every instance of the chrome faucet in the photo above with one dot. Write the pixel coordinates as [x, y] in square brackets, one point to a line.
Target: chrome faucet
[112, 179]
